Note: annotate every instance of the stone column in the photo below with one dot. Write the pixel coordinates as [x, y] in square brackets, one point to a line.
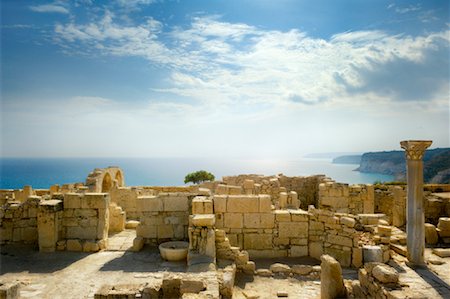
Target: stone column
[415, 219]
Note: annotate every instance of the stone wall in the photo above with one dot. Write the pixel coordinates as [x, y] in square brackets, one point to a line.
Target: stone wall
[18, 221]
[163, 217]
[85, 221]
[335, 234]
[342, 198]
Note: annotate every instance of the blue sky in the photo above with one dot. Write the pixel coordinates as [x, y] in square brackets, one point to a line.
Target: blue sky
[262, 79]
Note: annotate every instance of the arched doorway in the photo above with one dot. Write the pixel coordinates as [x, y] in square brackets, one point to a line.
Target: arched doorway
[106, 183]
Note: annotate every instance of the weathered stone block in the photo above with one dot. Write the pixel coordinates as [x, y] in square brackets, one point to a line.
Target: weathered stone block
[357, 257]
[220, 203]
[95, 201]
[372, 253]
[207, 220]
[83, 233]
[165, 231]
[251, 220]
[233, 220]
[267, 220]
[175, 203]
[265, 204]
[282, 216]
[74, 245]
[347, 221]
[344, 257]
[331, 280]
[149, 204]
[431, 235]
[147, 231]
[297, 251]
[257, 241]
[202, 205]
[243, 204]
[293, 229]
[339, 240]
[72, 201]
[299, 215]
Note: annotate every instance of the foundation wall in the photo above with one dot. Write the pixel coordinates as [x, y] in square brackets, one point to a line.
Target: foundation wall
[18, 221]
[163, 217]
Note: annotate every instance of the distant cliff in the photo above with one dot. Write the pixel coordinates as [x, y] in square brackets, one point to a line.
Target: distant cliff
[436, 164]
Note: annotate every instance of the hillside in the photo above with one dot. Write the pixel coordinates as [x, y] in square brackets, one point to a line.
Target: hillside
[436, 164]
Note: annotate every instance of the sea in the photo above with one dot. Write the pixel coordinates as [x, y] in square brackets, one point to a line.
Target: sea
[41, 173]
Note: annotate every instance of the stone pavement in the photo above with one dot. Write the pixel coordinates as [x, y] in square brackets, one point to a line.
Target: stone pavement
[122, 241]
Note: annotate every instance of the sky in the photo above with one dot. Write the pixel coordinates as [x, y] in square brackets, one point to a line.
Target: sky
[243, 79]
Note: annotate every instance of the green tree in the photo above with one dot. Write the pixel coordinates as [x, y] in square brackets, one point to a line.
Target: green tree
[198, 177]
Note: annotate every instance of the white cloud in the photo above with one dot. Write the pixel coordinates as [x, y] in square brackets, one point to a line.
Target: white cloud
[217, 62]
[50, 8]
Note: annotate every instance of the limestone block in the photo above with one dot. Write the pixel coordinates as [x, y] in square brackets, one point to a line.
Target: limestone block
[347, 221]
[297, 251]
[29, 234]
[90, 246]
[293, 229]
[147, 231]
[369, 202]
[72, 201]
[372, 253]
[95, 201]
[249, 268]
[384, 230]
[294, 201]
[315, 249]
[233, 220]
[149, 204]
[220, 203]
[267, 220]
[74, 245]
[138, 244]
[431, 235]
[343, 256]
[243, 204]
[252, 220]
[299, 241]
[283, 198]
[299, 215]
[83, 233]
[444, 227]
[192, 286]
[85, 213]
[10, 290]
[279, 268]
[340, 240]
[282, 216]
[221, 189]
[175, 203]
[202, 205]
[385, 274]
[357, 257]
[234, 190]
[265, 204]
[207, 220]
[331, 281]
[257, 241]
[315, 225]
[267, 253]
[165, 231]
[102, 224]
[280, 241]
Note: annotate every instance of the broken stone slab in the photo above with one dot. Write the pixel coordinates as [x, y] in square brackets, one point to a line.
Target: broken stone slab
[372, 253]
[282, 294]
[264, 272]
[132, 224]
[279, 268]
[250, 294]
[302, 269]
[192, 286]
[9, 290]
[331, 281]
[347, 221]
[385, 274]
[207, 220]
[442, 252]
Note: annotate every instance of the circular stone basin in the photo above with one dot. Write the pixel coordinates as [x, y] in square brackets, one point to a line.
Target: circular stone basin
[174, 251]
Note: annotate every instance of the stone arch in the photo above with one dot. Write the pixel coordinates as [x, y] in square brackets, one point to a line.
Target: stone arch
[119, 178]
[107, 182]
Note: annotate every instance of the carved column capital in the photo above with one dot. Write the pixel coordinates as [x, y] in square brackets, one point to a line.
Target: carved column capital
[414, 149]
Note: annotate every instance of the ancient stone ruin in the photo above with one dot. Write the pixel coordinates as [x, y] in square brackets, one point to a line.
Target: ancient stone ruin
[355, 241]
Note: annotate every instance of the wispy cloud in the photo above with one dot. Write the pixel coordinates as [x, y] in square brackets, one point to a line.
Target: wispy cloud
[50, 8]
[218, 62]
